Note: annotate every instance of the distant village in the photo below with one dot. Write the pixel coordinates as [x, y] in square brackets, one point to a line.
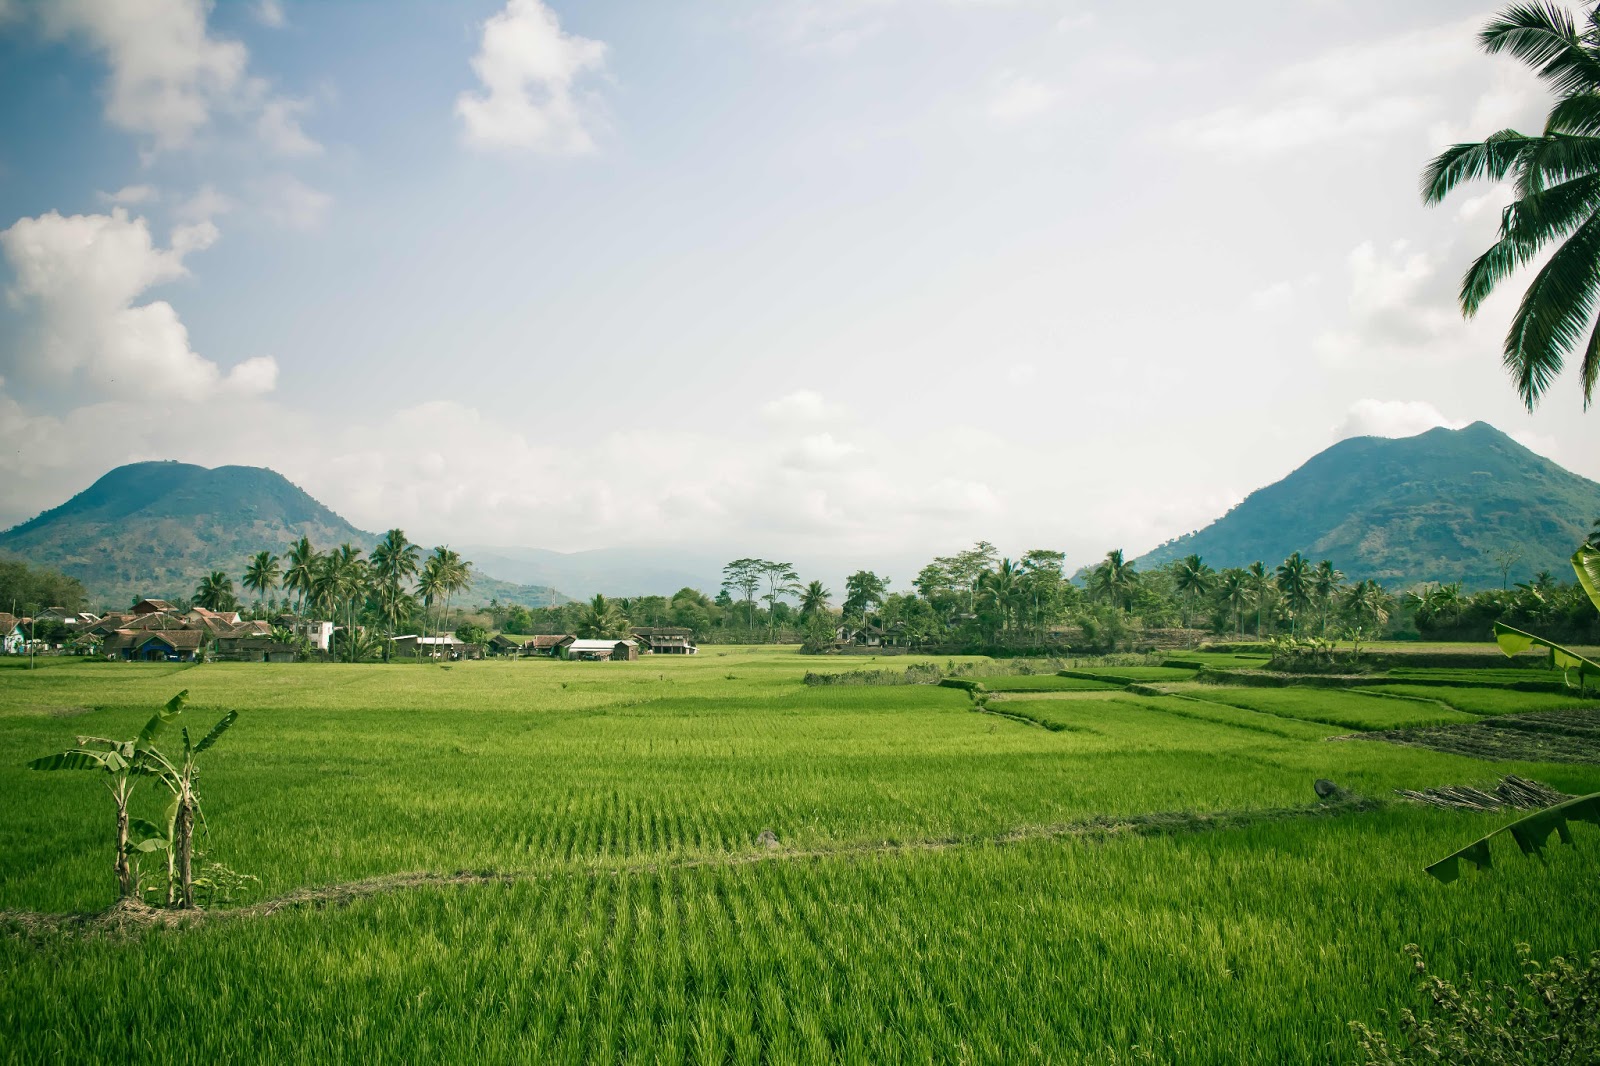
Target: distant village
[155, 630]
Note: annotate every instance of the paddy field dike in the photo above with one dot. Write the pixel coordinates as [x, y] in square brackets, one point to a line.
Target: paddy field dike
[708, 859]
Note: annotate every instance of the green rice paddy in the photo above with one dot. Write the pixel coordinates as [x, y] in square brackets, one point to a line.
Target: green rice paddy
[1151, 880]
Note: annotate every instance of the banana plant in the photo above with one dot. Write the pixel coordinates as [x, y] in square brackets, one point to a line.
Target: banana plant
[1586, 562]
[1532, 832]
[179, 775]
[123, 762]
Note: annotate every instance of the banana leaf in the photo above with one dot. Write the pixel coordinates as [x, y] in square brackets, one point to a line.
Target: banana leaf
[1515, 641]
[1531, 833]
[80, 760]
[1586, 561]
[153, 727]
[216, 731]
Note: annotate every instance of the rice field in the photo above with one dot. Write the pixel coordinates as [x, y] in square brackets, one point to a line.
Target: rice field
[1044, 683]
[1481, 701]
[1149, 879]
[1346, 708]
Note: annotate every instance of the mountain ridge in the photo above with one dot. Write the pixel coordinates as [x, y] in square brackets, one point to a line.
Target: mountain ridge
[155, 528]
[1439, 506]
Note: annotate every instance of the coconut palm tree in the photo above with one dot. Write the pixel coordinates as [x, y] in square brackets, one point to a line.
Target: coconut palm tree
[298, 578]
[1233, 591]
[1556, 175]
[814, 599]
[1113, 579]
[215, 592]
[1325, 582]
[1193, 579]
[1260, 582]
[1294, 580]
[431, 586]
[394, 561]
[261, 576]
[601, 618]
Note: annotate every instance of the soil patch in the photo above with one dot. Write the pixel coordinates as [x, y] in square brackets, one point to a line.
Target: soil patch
[1571, 735]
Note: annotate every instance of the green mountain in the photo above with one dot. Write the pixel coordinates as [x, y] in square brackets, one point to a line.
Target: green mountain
[154, 529]
[1441, 506]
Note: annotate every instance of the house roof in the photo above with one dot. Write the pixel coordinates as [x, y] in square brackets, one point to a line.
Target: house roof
[599, 645]
[177, 639]
[500, 640]
[548, 640]
[153, 605]
[661, 631]
[8, 622]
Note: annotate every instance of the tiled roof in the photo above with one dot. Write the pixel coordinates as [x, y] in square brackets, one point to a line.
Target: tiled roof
[548, 640]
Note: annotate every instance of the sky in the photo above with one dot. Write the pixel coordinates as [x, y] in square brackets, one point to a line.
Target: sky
[820, 280]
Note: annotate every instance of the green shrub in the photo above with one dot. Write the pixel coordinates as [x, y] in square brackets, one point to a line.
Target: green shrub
[1552, 1017]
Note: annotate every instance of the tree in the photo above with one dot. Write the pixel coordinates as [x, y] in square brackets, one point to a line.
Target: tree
[782, 580]
[1233, 592]
[261, 576]
[1260, 582]
[744, 576]
[215, 592]
[394, 562]
[1193, 579]
[1294, 581]
[122, 761]
[1113, 579]
[301, 572]
[179, 777]
[862, 591]
[1556, 175]
[814, 600]
[601, 619]
[472, 633]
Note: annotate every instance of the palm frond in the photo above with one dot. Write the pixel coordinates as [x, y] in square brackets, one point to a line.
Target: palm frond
[1544, 36]
[1553, 314]
[1491, 159]
[1575, 116]
[1589, 370]
[1556, 158]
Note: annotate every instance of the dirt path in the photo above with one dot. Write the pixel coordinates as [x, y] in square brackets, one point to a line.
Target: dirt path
[130, 918]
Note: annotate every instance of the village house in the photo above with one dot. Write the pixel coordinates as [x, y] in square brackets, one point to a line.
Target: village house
[156, 645]
[446, 647]
[154, 607]
[318, 634]
[601, 650]
[665, 640]
[252, 648]
[548, 645]
[11, 635]
[502, 645]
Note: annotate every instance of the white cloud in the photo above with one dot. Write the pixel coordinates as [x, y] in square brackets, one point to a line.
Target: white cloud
[82, 276]
[206, 203]
[170, 76]
[1074, 21]
[130, 195]
[269, 13]
[279, 128]
[819, 452]
[528, 68]
[1018, 99]
[1413, 82]
[1391, 418]
[1271, 297]
[1399, 299]
[801, 406]
[288, 201]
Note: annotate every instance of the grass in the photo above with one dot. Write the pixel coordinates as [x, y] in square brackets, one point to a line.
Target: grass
[1131, 674]
[1043, 683]
[1479, 701]
[1348, 709]
[934, 894]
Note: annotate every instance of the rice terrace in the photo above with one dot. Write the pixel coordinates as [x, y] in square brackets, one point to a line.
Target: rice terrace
[541, 532]
[557, 861]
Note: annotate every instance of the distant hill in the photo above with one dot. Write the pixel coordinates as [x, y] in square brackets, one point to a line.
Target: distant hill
[1440, 506]
[154, 529]
[609, 571]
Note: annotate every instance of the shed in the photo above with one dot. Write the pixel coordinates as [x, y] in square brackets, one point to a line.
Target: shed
[602, 650]
[548, 644]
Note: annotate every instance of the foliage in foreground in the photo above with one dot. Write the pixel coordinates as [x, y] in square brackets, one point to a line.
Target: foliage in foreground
[1552, 1017]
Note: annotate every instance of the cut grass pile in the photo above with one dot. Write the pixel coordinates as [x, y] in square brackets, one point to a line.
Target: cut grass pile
[638, 919]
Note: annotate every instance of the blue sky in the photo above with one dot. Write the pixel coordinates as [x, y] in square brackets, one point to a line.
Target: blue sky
[824, 279]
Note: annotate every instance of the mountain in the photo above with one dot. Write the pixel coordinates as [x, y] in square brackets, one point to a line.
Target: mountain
[1441, 506]
[154, 529]
[639, 571]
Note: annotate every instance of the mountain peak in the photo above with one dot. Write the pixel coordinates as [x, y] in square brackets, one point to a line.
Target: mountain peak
[1439, 506]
